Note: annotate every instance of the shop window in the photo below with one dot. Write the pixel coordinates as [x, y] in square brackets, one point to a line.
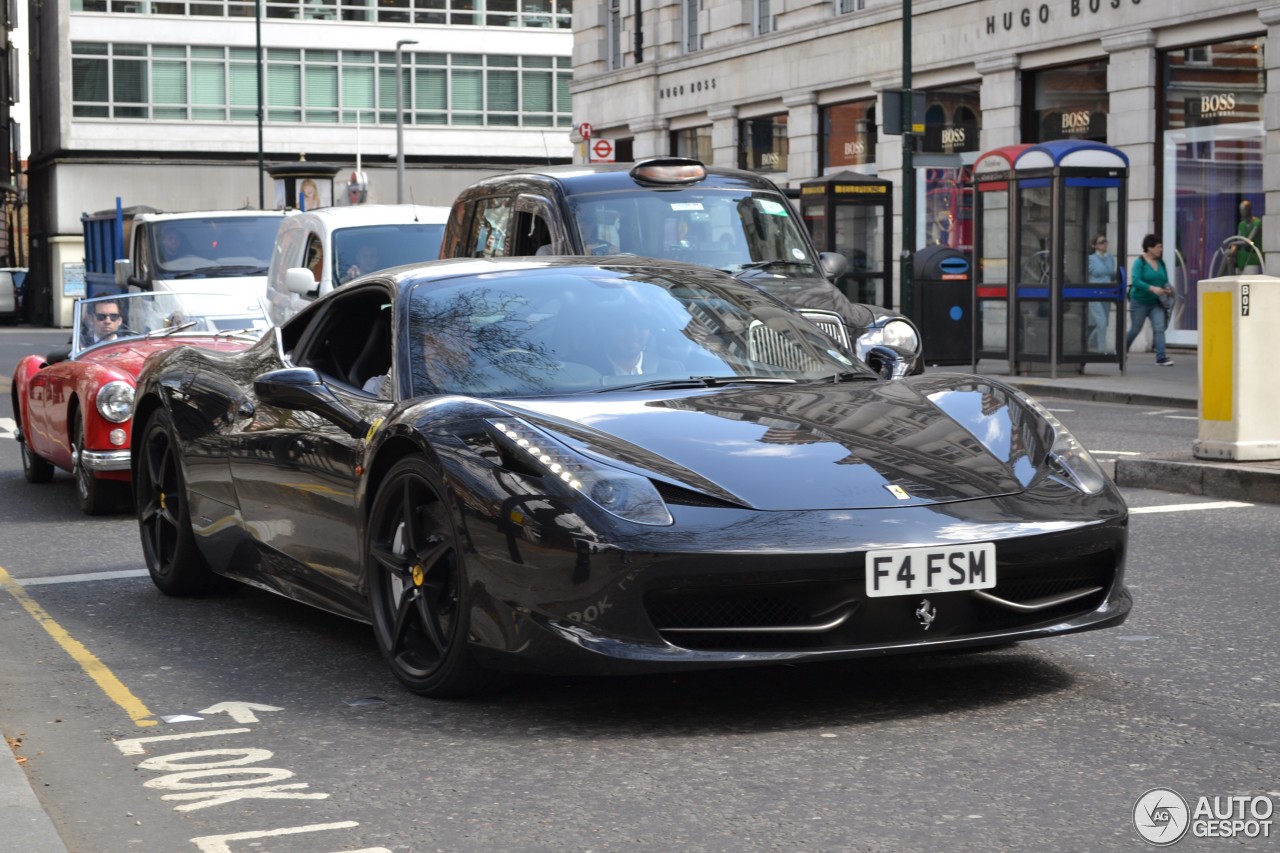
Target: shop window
[763, 144]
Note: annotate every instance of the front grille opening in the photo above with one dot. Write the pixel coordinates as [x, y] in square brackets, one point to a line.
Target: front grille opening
[759, 617]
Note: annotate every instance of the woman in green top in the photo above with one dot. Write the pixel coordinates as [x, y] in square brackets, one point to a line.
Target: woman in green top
[1148, 281]
[1250, 228]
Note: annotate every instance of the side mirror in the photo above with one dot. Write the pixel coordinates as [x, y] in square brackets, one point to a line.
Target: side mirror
[302, 389]
[833, 264]
[301, 281]
[123, 269]
[58, 355]
[888, 361]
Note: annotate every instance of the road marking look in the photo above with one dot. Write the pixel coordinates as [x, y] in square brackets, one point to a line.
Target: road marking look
[94, 668]
[1189, 507]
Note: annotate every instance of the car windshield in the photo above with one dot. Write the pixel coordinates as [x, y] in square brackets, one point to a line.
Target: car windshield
[106, 319]
[215, 247]
[364, 249]
[732, 229]
[558, 330]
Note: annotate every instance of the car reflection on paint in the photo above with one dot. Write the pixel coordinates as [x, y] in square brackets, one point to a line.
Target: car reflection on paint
[622, 465]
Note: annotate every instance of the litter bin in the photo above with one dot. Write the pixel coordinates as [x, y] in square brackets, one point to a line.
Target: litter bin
[944, 300]
[1239, 409]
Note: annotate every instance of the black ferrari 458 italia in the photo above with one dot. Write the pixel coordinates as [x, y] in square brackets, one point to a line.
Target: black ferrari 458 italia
[560, 465]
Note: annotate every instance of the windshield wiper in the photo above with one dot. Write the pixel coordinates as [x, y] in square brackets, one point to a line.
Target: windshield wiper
[696, 382]
[226, 270]
[762, 265]
[164, 333]
[849, 376]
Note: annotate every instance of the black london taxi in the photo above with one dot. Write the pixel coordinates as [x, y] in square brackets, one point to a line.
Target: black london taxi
[678, 209]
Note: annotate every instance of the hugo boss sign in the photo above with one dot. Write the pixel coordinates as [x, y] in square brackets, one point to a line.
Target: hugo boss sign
[1043, 13]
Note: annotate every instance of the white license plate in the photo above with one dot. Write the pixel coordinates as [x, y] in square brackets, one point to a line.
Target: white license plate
[912, 571]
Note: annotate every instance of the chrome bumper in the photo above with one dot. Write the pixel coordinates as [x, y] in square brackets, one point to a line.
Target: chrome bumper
[105, 460]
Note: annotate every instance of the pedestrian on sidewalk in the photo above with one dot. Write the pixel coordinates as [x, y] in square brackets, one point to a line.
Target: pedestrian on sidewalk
[1148, 282]
[1101, 273]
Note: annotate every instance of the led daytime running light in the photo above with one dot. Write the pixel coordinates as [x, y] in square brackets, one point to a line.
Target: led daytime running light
[621, 493]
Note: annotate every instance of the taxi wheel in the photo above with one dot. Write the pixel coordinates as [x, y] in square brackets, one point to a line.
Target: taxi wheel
[417, 584]
[97, 497]
[164, 516]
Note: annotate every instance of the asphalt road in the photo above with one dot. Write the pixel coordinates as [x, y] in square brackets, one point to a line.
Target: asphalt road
[278, 728]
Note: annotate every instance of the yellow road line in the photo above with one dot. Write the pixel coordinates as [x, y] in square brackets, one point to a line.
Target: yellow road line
[96, 669]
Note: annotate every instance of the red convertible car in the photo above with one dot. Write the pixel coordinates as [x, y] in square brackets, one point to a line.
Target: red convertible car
[74, 406]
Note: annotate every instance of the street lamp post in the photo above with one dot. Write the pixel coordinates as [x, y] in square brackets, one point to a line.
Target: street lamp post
[400, 120]
[907, 277]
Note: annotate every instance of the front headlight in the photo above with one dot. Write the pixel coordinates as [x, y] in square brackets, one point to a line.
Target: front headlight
[1070, 462]
[897, 333]
[115, 401]
[621, 493]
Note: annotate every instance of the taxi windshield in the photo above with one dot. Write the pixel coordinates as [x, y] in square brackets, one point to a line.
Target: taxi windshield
[731, 229]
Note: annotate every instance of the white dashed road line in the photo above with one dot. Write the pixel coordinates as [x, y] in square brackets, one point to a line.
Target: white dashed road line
[82, 578]
[8, 427]
[1136, 510]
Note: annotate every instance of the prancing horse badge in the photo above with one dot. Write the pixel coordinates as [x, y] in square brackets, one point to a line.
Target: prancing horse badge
[926, 613]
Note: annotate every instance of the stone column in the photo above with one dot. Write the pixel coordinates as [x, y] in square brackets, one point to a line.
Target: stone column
[803, 131]
[1270, 16]
[1133, 127]
[1001, 101]
[724, 136]
[649, 137]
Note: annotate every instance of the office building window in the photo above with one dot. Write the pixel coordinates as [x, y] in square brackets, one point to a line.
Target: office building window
[764, 21]
[201, 83]
[693, 142]
[615, 33]
[691, 39]
[544, 14]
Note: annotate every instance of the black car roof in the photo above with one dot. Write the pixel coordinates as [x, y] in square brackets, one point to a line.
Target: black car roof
[605, 177]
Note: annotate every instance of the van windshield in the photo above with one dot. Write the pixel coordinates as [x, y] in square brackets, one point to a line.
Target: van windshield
[215, 247]
[363, 249]
[725, 228]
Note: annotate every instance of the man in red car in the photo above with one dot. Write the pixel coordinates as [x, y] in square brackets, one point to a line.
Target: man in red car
[105, 322]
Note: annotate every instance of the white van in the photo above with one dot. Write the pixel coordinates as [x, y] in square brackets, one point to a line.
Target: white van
[319, 250]
[202, 251]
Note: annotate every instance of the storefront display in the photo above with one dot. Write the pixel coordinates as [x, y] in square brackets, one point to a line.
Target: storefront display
[1212, 162]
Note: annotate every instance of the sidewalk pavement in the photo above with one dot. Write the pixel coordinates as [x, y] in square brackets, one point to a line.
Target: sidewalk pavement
[26, 827]
[1145, 383]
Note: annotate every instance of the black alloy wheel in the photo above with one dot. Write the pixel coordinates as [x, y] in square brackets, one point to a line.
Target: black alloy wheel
[164, 516]
[97, 497]
[417, 583]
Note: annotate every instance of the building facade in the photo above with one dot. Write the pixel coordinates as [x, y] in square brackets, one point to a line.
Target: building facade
[155, 102]
[796, 89]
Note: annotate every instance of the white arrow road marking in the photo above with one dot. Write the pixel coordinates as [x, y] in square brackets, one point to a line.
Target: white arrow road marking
[1188, 507]
[8, 427]
[241, 712]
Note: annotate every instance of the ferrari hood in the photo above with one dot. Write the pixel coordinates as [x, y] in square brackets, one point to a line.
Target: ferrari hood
[848, 446]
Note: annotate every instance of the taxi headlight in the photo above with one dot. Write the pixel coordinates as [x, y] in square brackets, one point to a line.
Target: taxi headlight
[115, 401]
[622, 493]
[896, 333]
